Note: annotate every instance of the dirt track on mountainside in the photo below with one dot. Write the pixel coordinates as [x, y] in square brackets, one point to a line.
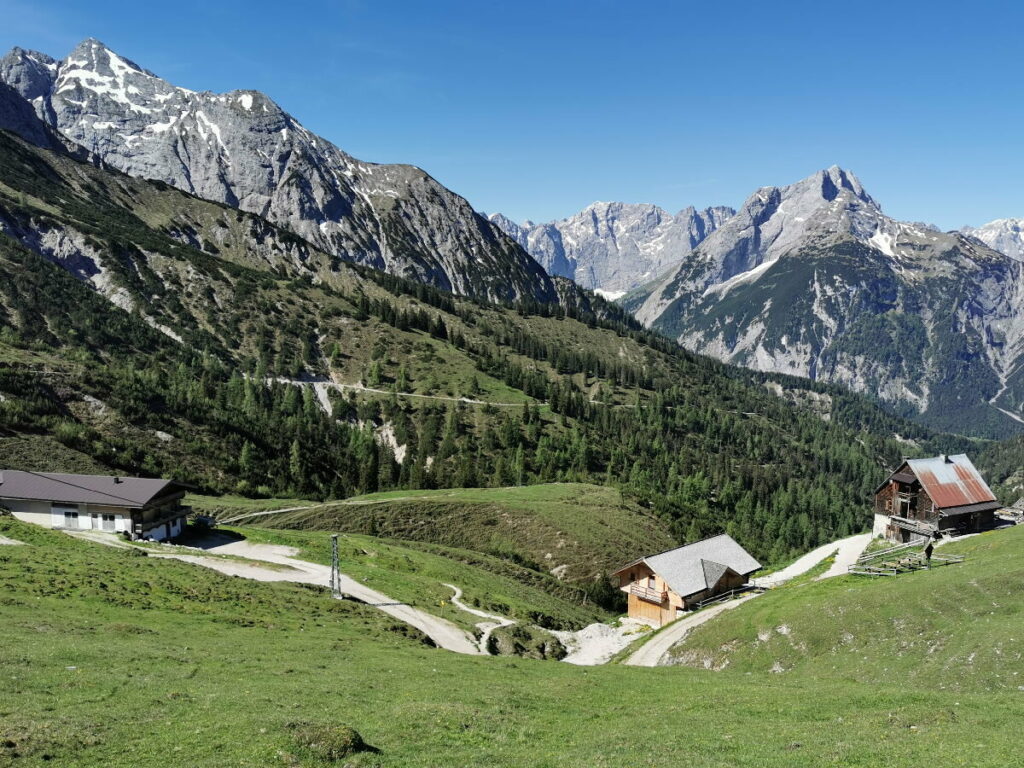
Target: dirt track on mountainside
[442, 632]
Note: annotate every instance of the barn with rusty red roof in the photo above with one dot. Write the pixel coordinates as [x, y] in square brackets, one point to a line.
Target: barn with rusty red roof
[925, 497]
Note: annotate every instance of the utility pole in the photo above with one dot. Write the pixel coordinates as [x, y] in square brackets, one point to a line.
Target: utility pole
[335, 575]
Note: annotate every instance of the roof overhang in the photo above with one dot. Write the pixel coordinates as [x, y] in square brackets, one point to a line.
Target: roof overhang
[634, 564]
[966, 509]
[117, 504]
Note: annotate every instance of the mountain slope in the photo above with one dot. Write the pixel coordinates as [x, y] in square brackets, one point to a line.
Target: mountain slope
[614, 247]
[814, 280]
[147, 330]
[241, 149]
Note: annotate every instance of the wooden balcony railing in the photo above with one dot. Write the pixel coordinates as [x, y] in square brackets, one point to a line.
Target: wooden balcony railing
[650, 595]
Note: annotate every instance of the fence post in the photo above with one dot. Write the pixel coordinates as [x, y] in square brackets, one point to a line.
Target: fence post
[335, 580]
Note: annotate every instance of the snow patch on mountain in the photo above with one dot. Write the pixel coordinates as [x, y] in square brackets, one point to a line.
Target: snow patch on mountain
[743, 277]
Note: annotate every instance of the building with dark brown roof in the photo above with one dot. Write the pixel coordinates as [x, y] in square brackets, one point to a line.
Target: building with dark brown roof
[140, 508]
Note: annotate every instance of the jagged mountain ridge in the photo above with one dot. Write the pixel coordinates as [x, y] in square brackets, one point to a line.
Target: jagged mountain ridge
[615, 247]
[242, 149]
[813, 279]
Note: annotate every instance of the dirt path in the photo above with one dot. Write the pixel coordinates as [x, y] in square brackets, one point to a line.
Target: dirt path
[846, 555]
[489, 626]
[321, 387]
[843, 548]
[444, 633]
[652, 652]
[445, 398]
[597, 643]
[339, 503]
[5, 542]
[229, 520]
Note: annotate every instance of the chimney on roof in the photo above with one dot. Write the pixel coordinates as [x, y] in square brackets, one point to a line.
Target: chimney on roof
[946, 459]
[118, 481]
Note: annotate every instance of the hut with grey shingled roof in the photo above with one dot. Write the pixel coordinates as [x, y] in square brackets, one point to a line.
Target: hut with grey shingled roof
[662, 586]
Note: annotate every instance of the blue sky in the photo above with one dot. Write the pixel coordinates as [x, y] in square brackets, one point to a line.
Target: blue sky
[537, 109]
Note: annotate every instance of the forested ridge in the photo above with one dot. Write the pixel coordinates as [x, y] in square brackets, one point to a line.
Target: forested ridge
[239, 358]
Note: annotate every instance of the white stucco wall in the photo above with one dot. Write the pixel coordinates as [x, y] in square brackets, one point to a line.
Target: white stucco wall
[878, 529]
[37, 512]
[51, 515]
[158, 533]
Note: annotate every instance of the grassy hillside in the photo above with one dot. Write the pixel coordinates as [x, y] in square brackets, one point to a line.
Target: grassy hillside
[116, 660]
[955, 628]
[579, 532]
[417, 575]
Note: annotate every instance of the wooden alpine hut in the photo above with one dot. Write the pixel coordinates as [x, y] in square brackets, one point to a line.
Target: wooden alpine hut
[662, 586]
[926, 497]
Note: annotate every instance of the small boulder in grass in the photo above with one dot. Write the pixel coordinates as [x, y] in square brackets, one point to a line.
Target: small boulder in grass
[329, 742]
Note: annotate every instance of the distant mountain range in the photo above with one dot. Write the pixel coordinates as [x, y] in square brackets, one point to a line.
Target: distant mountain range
[242, 149]
[613, 248]
[813, 279]
[1006, 235]
[810, 279]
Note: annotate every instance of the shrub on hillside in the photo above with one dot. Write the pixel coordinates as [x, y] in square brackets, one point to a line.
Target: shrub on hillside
[525, 641]
[329, 743]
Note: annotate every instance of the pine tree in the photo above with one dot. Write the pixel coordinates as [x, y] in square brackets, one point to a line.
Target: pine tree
[375, 375]
[295, 467]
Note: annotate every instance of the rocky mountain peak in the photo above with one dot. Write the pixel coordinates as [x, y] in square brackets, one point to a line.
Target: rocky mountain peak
[30, 73]
[774, 221]
[835, 179]
[242, 149]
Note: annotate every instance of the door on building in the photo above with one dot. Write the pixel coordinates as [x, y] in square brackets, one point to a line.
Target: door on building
[65, 516]
[108, 522]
